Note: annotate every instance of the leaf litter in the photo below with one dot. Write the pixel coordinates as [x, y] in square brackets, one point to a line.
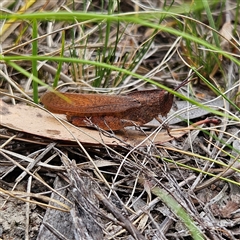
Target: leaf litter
[110, 185]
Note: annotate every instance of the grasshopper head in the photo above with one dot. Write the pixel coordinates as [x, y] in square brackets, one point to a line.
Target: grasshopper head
[165, 102]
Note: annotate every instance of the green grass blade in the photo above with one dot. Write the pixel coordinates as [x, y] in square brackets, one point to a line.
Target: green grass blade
[34, 61]
[179, 211]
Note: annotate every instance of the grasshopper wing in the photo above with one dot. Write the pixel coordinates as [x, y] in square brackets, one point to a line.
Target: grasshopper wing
[88, 104]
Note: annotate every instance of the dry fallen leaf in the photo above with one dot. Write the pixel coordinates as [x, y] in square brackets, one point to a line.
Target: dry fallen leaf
[28, 7]
[226, 32]
[36, 121]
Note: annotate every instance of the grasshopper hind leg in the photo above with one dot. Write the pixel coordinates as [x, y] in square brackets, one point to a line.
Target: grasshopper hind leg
[103, 122]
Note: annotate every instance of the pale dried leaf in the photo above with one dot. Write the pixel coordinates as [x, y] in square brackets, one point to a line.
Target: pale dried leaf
[35, 121]
[226, 32]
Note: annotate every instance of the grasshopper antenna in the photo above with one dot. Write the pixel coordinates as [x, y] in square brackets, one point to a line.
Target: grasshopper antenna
[186, 81]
